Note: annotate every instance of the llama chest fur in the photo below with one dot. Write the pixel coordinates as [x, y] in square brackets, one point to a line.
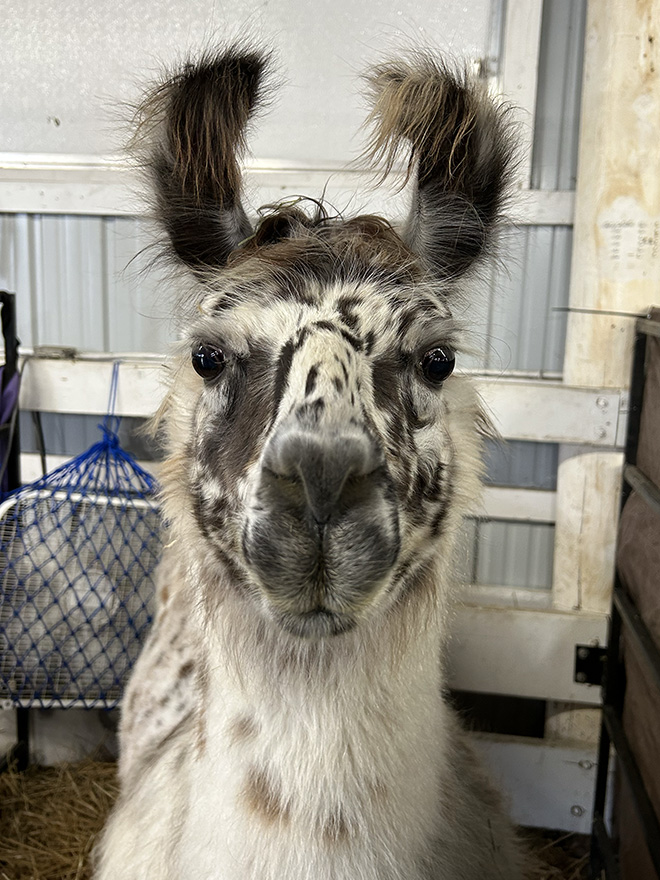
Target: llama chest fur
[316, 781]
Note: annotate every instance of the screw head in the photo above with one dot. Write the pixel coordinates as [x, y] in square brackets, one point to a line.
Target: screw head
[602, 402]
[577, 810]
[581, 677]
[583, 653]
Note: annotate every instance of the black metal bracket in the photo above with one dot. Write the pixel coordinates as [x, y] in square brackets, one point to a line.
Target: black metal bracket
[589, 664]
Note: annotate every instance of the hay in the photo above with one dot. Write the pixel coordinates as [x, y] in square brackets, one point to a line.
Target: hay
[559, 856]
[50, 819]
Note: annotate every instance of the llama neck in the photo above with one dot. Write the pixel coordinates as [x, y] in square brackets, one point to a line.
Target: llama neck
[333, 749]
[382, 680]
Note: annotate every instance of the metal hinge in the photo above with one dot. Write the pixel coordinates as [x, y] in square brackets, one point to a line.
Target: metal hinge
[589, 664]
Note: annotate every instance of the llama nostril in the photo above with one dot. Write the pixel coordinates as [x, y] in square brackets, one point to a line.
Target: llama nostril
[321, 470]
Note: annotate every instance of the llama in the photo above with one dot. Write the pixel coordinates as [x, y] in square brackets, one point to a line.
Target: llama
[286, 719]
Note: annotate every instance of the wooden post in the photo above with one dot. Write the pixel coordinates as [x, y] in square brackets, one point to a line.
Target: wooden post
[616, 269]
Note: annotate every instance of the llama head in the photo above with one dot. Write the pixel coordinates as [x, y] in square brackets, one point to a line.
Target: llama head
[322, 452]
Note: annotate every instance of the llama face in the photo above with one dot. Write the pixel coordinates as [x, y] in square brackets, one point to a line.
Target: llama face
[320, 435]
[314, 447]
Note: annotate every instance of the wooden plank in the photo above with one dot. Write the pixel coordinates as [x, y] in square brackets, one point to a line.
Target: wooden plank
[588, 490]
[616, 246]
[82, 386]
[519, 77]
[547, 784]
[551, 411]
[521, 505]
[615, 271]
[49, 186]
[524, 652]
[534, 410]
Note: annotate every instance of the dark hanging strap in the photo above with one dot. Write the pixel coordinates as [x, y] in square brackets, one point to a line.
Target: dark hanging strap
[8, 317]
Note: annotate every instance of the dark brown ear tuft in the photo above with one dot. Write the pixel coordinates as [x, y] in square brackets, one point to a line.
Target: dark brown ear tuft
[460, 147]
[191, 130]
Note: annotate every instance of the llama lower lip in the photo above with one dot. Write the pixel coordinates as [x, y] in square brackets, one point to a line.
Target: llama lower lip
[319, 623]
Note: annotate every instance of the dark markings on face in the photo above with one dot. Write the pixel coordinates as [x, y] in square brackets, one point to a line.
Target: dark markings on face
[410, 411]
[406, 320]
[386, 378]
[312, 376]
[369, 342]
[339, 385]
[438, 520]
[425, 489]
[346, 306]
[326, 325]
[435, 486]
[354, 341]
[227, 301]
[282, 369]
[309, 414]
[199, 511]
[224, 447]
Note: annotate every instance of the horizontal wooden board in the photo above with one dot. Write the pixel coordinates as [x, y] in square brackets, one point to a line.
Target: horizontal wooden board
[78, 185]
[546, 783]
[524, 652]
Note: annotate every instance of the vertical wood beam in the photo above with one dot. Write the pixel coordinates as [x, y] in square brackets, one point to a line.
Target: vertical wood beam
[616, 268]
[616, 248]
[519, 74]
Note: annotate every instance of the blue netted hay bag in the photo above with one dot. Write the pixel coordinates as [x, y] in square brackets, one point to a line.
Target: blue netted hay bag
[78, 549]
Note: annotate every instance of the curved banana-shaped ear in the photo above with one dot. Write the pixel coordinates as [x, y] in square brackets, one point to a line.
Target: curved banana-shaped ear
[461, 152]
[191, 131]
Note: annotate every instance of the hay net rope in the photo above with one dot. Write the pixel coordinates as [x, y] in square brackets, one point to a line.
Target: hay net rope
[78, 549]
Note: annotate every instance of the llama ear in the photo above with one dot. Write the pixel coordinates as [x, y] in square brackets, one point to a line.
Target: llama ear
[191, 131]
[461, 149]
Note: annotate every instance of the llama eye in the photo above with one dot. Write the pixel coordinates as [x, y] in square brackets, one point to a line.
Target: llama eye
[208, 361]
[438, 364]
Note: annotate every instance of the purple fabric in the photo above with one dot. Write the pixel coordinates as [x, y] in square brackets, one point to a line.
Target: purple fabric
[9, 397]
[8, 402]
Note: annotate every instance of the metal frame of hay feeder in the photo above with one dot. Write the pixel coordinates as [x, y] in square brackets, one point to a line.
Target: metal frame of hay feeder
[78, 548]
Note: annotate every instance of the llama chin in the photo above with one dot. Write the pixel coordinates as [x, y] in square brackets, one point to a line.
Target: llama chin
[286, 718]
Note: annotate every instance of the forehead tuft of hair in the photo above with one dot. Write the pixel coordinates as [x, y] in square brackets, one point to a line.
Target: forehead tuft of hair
[327, 246]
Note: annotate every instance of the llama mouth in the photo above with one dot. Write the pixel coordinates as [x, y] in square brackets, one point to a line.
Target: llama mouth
[316, 624]
[323, 574]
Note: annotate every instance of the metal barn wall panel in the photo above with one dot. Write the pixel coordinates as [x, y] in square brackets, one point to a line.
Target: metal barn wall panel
[554, 157]
[508, 554]
[514, 555]
[83, 282]
[525, 324]
[523, 464]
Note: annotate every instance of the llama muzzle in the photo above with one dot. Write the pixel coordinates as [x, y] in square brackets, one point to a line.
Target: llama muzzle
[323, 536]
